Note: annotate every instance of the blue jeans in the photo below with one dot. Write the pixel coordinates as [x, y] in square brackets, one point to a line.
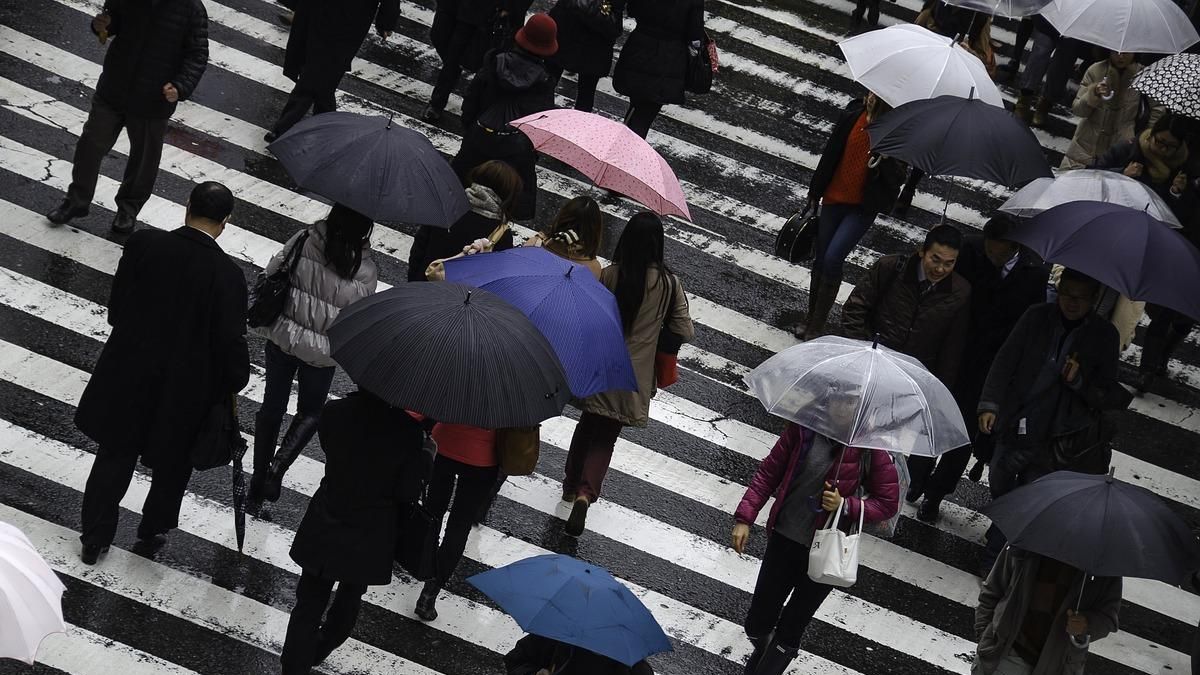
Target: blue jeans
[841, 227]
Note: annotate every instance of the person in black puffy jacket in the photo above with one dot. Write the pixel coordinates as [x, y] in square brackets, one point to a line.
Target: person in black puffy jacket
[156, 55]
[654, 61]
[587, 31]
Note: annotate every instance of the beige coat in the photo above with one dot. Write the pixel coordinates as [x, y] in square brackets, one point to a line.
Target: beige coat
[1104, 123]
[632, 408]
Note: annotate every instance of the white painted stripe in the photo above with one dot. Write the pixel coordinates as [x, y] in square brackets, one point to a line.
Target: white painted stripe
[81, 652]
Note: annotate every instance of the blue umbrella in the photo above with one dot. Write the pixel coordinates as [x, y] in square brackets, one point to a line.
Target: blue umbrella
[576, 313]
[565, 599]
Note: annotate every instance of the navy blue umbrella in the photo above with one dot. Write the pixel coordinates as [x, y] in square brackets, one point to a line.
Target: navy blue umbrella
[576, 313]
[374, 166]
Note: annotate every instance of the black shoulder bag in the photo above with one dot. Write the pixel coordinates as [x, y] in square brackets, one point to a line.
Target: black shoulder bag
[269, 294]
[797, 237]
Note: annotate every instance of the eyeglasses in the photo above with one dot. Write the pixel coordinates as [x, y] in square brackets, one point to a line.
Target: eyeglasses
[1169, 147]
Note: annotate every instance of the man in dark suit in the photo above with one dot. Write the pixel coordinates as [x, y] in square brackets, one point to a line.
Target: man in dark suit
[177, 348]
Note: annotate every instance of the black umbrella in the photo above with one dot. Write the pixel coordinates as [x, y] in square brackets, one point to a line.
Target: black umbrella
[457, 354]
[378, 168]
[239, 483]
[1098, 524]
[954, 136]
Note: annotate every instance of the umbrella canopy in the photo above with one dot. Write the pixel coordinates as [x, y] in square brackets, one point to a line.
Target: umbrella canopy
[1173, 81]
[1141, 26]
[576, 313]
[1098, 524]
[374, 166]
[30, 597]
[952, 136]
[457, 354]
[565, 599]
[1092, 185]
[1009, 8]
[906, 62]
[609, 154]
[861, 395]
[1123, 248]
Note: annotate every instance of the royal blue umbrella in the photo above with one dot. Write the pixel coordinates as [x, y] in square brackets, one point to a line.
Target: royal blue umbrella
[576, 313]
[1125, 249]
[565, 599]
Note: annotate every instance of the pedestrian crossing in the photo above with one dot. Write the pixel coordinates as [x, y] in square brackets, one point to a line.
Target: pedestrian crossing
[745, 157]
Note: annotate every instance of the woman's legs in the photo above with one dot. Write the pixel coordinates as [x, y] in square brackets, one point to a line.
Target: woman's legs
[842, 227]
[340, 620]
[782, 565]
[585, 99]
[300, 643]
[314, 386]
[640, 116]
[472, 489]
[587, 463]
[437, 500]
[281, 369]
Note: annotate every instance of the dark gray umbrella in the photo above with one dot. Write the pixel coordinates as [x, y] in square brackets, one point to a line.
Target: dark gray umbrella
[374, 166]
[1098, 524]
[238, 483]
[456, 354]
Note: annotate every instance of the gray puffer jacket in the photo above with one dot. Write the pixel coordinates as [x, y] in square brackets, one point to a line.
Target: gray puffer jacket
[316, 296]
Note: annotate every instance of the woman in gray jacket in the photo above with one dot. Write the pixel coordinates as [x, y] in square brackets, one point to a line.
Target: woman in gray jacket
[334, 270]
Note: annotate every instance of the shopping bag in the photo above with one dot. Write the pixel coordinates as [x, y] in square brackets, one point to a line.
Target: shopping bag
[833, 556]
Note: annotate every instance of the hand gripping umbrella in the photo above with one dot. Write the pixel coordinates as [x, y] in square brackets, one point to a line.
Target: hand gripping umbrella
[30, 597]
[1093, 185]
[575, 312]
[1173, 81]
[1137, 26]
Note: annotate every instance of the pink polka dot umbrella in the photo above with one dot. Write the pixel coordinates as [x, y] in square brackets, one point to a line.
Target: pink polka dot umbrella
[609, 154]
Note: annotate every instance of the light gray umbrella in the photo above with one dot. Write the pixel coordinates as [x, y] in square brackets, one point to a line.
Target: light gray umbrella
[1092, 185]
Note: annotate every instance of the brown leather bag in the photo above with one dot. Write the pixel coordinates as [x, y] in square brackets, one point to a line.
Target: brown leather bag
[517, 449]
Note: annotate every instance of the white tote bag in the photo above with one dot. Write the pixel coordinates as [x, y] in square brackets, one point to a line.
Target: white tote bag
[833, 556]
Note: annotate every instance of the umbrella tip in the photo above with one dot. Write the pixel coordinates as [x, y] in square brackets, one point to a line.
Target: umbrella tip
[569, 270]
[971, 94]
[875, 342]
[1111, 471]
[389, 124]
[467, 301]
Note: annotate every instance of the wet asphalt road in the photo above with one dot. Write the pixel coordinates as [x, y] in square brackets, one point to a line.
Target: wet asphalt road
[745, 153]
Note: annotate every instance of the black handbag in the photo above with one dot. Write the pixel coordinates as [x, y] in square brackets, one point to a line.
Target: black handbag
[417, 535]
[269, 295]
[698, 78]
[219, 437]
[798, 236]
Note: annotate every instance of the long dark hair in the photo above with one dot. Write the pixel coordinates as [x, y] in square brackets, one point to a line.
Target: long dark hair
[639, 248]
[346, 233]
[582, 215]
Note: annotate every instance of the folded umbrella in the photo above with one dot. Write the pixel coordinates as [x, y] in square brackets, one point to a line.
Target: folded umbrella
[456, 354]
[374, 166]
[609, 154]
[238, 484]
[1130, 26]
[1173, 81]
[1125, 249]
[861, 395]
[576, 313]
[1098, 524]
[1093, 185]
[1007, 8]
[565, 599]
[30, 597]
[906, 62]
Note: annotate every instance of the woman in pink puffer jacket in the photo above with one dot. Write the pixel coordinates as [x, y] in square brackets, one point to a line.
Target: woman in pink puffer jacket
[810, 477]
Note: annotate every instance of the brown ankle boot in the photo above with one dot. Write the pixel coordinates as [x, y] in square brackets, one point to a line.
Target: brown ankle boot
[814, 289]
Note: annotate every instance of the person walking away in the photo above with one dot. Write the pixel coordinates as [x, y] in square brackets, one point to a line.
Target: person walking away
[177, 349]
[511, 84]
[654, 60]
[1046, 392]
[576, 233]
[324, 39]
[1108, 108]
[810, 476]
[347, 537]
[156, 58]
[1006, 279]
[852, 186]
[462, 32]
[1038, 615]
[333, 270]
[1052, 58]
[587, 31]
[536, 655]
[492, 192]
[916, 304]
[650, 299]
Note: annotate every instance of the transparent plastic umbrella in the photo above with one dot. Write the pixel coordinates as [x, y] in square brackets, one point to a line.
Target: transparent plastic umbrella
[1093, 185]
[862, 395]
[1010, 8]
[30, 597]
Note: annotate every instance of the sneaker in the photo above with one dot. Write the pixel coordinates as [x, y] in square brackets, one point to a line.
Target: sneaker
[578, 517]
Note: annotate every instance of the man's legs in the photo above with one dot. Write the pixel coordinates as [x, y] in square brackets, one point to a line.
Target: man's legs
[102, 494]
[100, 133]
[168, 483]
[141, 171]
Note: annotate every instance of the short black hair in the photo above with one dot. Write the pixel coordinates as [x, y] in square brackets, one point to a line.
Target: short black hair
[1070, 276]
[997, 228]
[211, 200]
[946, 235]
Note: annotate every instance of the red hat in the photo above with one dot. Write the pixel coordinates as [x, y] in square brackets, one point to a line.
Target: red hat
[539, 35]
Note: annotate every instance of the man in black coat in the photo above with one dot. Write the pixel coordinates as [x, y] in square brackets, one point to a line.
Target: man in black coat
[177, 349]
[324, 39]
[1005, 281]
[159, 52]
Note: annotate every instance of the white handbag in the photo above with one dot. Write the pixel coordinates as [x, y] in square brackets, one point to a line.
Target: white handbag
[833, 556]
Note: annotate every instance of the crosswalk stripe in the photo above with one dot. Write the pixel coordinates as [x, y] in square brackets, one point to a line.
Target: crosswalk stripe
[81, 652]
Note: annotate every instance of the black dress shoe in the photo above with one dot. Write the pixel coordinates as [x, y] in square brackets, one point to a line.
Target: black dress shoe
[930, 510]
[431, 114]
[123, 223]
[270, 136]
[91, 553]
[63, 213]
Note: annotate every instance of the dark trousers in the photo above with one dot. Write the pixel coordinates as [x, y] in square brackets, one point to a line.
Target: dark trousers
[784, 571]
[870, 7]
[641, 115]
[585, 90]
[936, 478]
[591, 451]
[471, 487]
[282, 369]
[106, 486]
[100, 132]
[1004, 476]
[840, 228]
[460, 41]
[316, 94]
[1051, 58]
[308, 640]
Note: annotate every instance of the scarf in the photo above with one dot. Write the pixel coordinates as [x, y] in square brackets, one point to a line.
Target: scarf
[1159, 169]
[484, 201]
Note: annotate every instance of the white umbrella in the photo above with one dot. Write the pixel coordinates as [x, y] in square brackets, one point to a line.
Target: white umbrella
[905, 63]
[30, 597]
[861, 395]
[1131, 26]
[1091, 185]
[1010, 8]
